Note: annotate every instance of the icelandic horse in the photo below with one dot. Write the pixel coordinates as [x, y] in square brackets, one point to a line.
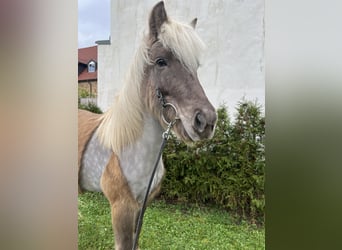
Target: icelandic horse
[117, 149]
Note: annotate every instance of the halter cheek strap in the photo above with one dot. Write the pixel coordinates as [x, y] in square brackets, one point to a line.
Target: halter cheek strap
[160, 97]
[164, 105]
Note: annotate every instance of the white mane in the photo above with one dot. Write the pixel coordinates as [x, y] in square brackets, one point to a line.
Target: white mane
[122, 124]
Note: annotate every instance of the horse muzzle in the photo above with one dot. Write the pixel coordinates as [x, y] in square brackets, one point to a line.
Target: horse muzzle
[203, 123]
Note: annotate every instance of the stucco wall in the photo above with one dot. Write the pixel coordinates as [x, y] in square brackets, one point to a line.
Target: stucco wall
[231, 68]
[106, 88]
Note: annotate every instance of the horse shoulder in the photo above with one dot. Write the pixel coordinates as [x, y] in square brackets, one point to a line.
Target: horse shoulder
[113, 183]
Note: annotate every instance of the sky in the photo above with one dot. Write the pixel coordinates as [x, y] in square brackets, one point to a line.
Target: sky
[93, 21]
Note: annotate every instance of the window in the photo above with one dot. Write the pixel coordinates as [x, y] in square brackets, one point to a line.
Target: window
[91, 66]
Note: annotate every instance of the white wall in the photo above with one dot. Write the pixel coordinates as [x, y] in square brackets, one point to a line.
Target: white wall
[105, 76]
[233, 65]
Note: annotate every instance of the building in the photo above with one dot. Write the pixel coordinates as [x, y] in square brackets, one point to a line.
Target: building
[232, 67]
[87, 73]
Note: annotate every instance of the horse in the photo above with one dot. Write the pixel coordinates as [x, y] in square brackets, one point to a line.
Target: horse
[117, 149]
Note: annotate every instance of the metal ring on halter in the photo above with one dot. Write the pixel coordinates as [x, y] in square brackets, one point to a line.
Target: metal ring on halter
[176, 116]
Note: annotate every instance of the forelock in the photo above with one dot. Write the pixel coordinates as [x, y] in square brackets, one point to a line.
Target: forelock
[184, 43]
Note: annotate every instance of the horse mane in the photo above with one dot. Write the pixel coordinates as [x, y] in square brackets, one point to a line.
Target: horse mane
[123, 124]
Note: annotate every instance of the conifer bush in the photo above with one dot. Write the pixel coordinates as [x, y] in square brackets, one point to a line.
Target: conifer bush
[228, 170]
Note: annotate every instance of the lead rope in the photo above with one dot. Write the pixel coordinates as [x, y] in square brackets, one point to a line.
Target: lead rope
[165, 135]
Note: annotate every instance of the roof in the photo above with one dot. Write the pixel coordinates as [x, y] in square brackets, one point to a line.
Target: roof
[103, 42]
[87, 76]
[85, 55]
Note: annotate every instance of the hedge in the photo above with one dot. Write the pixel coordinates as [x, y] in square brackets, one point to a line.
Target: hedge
[228, 170]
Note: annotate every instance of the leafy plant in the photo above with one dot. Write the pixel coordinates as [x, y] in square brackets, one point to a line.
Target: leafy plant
[83, 93]
[90, 106]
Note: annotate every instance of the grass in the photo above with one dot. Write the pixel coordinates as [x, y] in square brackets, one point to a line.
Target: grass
[167, 227]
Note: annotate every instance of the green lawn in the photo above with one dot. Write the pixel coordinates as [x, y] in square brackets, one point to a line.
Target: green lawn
[167, 227]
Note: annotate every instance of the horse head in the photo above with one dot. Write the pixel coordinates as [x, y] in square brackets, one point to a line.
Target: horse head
[174, 51]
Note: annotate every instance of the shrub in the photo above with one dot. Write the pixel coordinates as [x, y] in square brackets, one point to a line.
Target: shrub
[92, 107]
[83, 93]
[227, 170]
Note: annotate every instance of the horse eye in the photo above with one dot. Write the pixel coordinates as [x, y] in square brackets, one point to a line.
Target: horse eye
[161, 62]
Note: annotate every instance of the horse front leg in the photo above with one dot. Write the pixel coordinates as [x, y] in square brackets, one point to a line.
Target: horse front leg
[124, 208]
[124, 222]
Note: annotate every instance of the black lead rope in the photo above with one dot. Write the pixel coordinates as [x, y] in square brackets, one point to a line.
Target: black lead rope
[163, 144]
[142, 211]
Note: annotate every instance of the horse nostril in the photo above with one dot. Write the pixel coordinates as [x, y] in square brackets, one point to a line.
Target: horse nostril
[200, 122]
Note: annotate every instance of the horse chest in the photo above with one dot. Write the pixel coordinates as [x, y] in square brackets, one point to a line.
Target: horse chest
[137, 160]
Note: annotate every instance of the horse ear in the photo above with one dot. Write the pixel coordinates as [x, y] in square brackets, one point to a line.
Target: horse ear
[157, 18]
[193, 23]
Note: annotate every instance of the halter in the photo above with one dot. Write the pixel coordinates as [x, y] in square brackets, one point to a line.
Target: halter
[165, 136]
[164, 106]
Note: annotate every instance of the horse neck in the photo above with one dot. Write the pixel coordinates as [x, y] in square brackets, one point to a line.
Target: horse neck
[151, 122]
[151, 132]
[123, 124]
